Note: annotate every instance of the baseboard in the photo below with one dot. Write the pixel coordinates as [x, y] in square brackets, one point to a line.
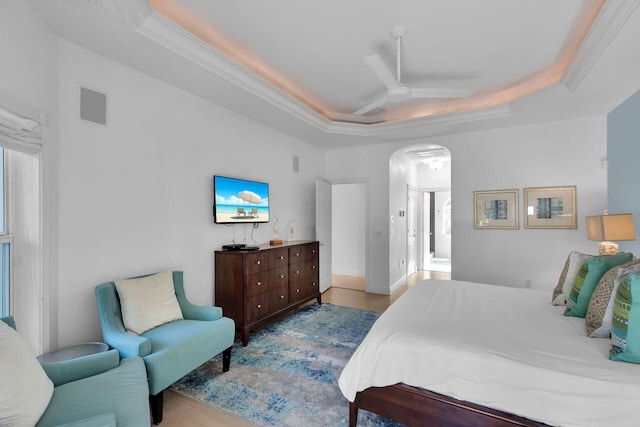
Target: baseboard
[394, 287]
[378, 289]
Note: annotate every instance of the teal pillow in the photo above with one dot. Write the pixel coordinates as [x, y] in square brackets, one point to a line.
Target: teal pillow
[587, 279]
[625, 327]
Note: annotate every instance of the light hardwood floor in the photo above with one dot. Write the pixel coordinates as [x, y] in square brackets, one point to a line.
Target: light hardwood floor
[181, 411]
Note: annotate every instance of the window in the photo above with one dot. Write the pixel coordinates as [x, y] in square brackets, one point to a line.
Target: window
[6, 240]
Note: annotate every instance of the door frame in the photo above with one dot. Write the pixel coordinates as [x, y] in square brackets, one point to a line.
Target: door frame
[367, 216]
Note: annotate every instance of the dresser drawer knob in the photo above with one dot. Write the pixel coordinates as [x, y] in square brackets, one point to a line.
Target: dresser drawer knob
[281, 257]
[259, 305]
[259, 283]
[281, 296]
[297, 253]
[298, 290]
[297, 271]
[282, 276]
[314, 267]
[314, 251]
[258, 262]
[313, 284]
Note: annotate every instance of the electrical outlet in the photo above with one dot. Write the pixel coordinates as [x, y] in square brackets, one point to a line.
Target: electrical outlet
[292, 231]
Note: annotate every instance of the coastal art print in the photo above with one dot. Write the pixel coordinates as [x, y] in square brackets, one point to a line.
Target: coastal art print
[550, 207]
[496, 209]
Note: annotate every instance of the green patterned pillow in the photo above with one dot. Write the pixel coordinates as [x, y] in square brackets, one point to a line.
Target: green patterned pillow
[599, 313]
[625, 328]
[587, 280]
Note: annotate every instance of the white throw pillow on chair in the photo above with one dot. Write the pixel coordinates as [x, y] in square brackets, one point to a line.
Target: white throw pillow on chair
[25, 389]
[148, 302]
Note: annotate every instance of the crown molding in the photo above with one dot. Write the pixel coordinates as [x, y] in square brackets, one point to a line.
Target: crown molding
[447, 119]
[164, 32]
[154, 26]
[610, 20]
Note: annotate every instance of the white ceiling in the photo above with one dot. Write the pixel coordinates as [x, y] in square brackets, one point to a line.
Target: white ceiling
[298, 65]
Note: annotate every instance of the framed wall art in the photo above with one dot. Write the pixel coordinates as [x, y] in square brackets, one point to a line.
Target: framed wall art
[550, 207]
[496, 209]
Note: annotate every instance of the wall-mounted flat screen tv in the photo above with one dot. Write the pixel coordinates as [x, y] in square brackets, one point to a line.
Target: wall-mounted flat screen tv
[239, 200]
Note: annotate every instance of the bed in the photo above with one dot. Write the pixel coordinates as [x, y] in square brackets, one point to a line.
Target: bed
[462, 353]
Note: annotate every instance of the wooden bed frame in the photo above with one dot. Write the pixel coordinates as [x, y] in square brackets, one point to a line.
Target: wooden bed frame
[419, 407]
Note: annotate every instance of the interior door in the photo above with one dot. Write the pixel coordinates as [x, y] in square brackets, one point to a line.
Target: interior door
[323, 231]
[426, 229]
[411, 231]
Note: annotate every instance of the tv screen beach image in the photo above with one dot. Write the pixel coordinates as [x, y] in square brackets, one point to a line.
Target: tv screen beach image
[238, 200]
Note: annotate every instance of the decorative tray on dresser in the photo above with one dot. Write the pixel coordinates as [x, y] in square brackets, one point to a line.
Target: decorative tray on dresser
[256, 287]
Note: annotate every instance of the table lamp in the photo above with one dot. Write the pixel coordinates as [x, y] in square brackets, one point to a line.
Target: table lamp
[608, 228]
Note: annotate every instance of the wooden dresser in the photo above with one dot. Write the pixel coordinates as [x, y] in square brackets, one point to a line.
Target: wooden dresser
[255, 287]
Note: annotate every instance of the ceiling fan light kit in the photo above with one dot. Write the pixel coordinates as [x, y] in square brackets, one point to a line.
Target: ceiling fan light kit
[396, 91]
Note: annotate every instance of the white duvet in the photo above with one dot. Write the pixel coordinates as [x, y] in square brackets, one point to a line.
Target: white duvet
[501, 347]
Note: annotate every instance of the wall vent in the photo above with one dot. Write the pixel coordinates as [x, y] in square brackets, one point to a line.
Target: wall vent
[93, 106]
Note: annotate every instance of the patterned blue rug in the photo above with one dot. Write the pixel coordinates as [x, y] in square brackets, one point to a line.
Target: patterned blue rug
[288, 373]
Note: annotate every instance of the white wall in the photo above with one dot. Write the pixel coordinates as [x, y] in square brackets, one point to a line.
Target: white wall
[368, 164]
[434, 179]
[547, 154]
[402, 173]
[136, 196]
[348, 229]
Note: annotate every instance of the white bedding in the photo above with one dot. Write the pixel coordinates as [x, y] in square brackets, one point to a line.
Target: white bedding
[501, 347]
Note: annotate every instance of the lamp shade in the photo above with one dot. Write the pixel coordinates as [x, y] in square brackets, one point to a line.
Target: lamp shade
[614, 227]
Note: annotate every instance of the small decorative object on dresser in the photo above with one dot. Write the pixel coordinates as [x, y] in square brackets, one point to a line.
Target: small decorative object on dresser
[276, 239]
[255, 288]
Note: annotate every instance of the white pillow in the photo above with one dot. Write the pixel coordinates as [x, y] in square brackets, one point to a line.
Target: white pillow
[148, 302]
[576, 261]
[25, 389]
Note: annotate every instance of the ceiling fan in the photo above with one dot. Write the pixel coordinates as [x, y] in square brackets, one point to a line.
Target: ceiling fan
[396, 91]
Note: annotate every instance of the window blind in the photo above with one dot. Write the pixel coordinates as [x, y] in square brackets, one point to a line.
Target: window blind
[19, 131]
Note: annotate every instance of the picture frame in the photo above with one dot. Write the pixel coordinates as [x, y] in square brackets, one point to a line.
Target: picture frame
[496, 209]
[550, 207]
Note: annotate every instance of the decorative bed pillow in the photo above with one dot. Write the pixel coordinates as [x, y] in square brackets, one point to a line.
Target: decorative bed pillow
[26, 390]
[574, 262]
[587, 280]
[148, 302]
[625, 330]
[600, 310]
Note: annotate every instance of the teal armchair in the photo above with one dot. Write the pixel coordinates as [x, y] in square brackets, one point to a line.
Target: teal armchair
[172, 350]
[94, 390]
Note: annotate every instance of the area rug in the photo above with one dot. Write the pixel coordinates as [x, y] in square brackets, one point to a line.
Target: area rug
[288, 373]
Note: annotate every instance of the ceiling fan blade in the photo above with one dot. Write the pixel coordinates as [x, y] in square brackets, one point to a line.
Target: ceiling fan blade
[382, 71]
[440, 93]
[375, 104]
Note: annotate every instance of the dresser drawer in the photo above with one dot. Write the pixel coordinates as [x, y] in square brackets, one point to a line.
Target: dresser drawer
[277, 298]
[301, 289]
[255, 262]
[303, 269]
[278, 258]
[303, 252]
[266, 303]
[264, 281]
[256, 307]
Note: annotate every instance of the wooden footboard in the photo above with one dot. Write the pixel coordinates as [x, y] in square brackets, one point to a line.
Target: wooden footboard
[418, 407]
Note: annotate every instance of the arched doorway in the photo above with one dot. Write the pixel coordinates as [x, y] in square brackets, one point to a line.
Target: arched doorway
[424, 171]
